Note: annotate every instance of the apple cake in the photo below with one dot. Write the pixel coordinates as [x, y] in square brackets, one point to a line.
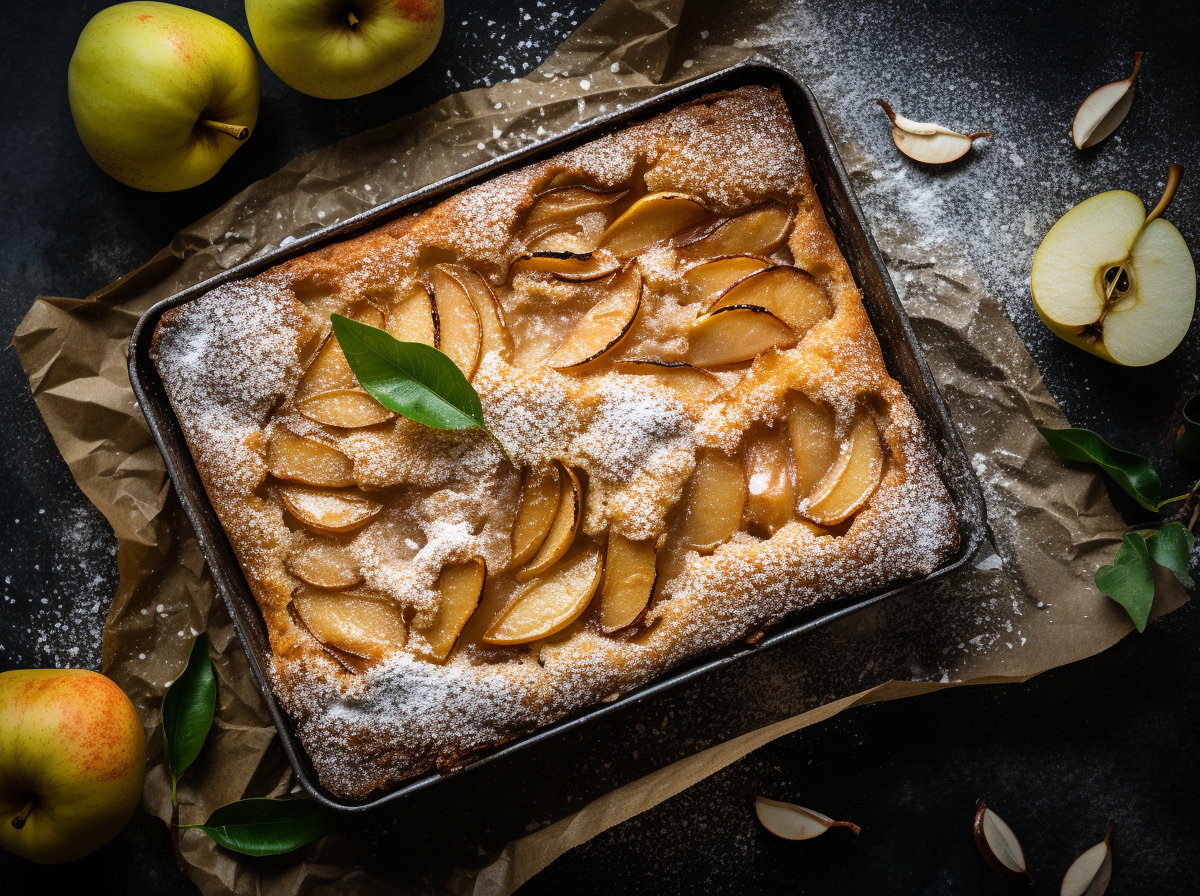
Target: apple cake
[702, 440]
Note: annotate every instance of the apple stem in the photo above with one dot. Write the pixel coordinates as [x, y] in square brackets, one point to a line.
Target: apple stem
[888, 109]
[352, 17]
[1173, 177]
[236, 131]
[18, 821]
[1137, 64]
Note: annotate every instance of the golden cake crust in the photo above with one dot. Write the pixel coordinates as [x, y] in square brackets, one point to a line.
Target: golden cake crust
[233, 361]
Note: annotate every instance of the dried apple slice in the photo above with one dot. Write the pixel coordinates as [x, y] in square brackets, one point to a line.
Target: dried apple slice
[326, 511]
[550, 604]
[604, 326]
[815, 445]
[540, 489]
[562, 528]
[495, 336]
[707, 280]
[694, 385]
[344, 408]
[770, 496]
[852, 479]
[324, 566]
[356, 623]
[789, 293]
[414, 319]
[460, 335]
[560, 204]
[459, 588]
[715, 499]
[759, 231]
[734, 334]
[629, 574]
[570, 267]
[655, 218]
[298, 459]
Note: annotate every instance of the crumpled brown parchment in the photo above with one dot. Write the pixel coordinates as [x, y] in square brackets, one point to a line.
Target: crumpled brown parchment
[1052, 525]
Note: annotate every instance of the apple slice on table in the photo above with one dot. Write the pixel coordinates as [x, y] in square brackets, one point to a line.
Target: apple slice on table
[852, 479]
[494, 331]
[459, 588]
[540, 490]
[629, 574]
[815, 445]
[344, 408]
[562, 528]
[1114, 281]
[653, 219]
[708, 280]
[296, 458]
[357, 623]
[326, 511]
[460, 335]
[414, 319]
[695, 386]
[736, 333]
[713, 502]
[568, 204]
[770, 496]
[789, 293]
[604, 326]
[324, 566]
[759, 231]
[570, 267]
[1104, 109]
[548, 605]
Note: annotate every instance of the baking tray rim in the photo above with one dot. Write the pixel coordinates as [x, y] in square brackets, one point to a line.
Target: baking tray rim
[167, 434]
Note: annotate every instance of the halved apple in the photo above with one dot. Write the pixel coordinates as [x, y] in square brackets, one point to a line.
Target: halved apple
[569, 203]
[460, 334]
[713, 501]
[695, 386]
[852, 479]
[495, 336]
[551, 603]
[815, 445]
[570, 267]
[328, 372]
[605, 324]
[324, 566]
[562, 528]
[540, 490]
[414, 319]
[459, 587]
[629, 574]
[759, 231]
[707, 280]
[770, 496]
[298, 459]
[736, 333]
[789, 293]
[362, 625]
[653, 219]
[326, 511]
[344, 408]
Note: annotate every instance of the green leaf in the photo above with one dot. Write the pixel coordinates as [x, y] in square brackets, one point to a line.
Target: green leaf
[187, 711]
[1130, 580]
[267, 827]
[1171, 546]
[1187, 446]
[1130, 471]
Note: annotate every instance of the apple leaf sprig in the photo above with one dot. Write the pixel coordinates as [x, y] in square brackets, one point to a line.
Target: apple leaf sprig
[1129, 580]
[411, 378]
[258, 826]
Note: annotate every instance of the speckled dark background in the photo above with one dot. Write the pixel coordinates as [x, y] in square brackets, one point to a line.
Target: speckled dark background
[1114, 735]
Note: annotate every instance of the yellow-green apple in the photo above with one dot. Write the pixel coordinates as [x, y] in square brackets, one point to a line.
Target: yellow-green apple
[72, 758]
[334, 49]
[162, 96]
[1115, 281]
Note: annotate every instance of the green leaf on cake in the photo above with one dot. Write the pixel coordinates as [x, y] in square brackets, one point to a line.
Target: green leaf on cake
[267, 827]
[1130, 471]
[1130, 579]
[187, 711]
[1187, 446]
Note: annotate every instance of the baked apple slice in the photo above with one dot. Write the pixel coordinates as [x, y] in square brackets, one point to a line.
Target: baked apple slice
[328, 511]
[460, 334]
[328, 372]
[770, 496]
[459, 588]
[759, 231]
[629, 574]
[562, 528]
[414, 319]
[714, 501]
[344, 408]
[540, 489]
[604, 326]
[568, 204]
[298, 459]
[360, 624]
[853, 478]
[653, 219]
[551, 603]
[494, 331]
[815, 444]
[570, 267]
[707, 280]
[324, 566]
[695, 386]
[789, 293]
[736, 333]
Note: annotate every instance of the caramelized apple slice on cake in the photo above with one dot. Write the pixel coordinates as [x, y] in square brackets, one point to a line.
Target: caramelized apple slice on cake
[604, 326]
[734, 334]
[357, 623]
[459, 587]
[653, 219]
[695, 386]
[494, 331]
[344, 408]
[759, 231]
[540, 490]
[570, 267]
[770, 496]
[629, 574]
[568, 204]
[460, 335]
[713, 502]
[329, 371]
[414, 318]
[328, 511]
[551, 603]
[324, 566]
[562, 528]
[852, 479]
[789, 293]
[815, 444]
[298, 459]
[707, 280]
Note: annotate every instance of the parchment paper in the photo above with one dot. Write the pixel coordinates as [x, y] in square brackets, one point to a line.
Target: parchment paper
[1028, 604]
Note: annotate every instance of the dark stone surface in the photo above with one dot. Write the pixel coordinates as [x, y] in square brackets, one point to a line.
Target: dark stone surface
[1111, 736]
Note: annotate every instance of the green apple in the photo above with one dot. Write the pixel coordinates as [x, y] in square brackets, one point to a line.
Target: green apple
[162, 96]
[1115, 281]
[334, 49]
[72, 758]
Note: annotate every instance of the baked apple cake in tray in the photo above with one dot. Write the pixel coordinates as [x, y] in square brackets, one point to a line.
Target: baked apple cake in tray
[703, 440]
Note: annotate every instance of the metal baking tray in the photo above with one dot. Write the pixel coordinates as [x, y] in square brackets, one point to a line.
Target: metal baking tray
[903, 357]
